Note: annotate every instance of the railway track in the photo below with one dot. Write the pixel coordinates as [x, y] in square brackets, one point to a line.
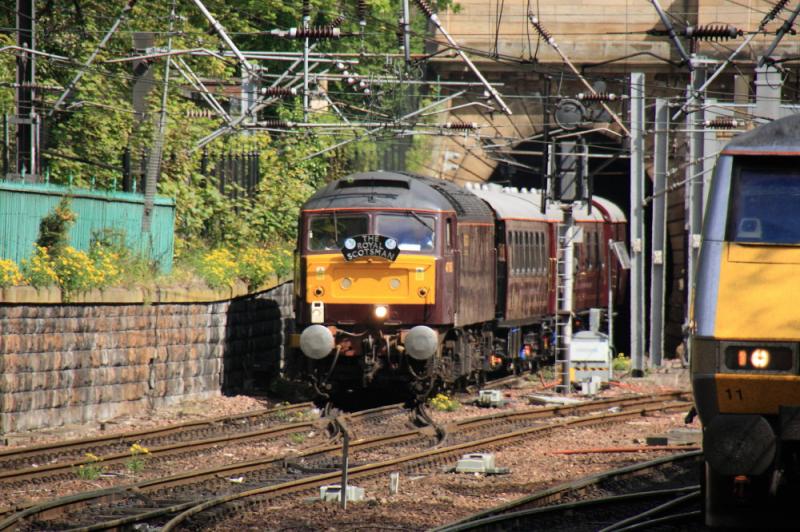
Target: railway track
[49, 453]
[649, 495]
[153, 500]
[115, 449]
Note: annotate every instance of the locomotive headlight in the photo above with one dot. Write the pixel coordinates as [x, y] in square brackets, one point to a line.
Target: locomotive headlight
[381, 311]
[775, 357]
[760, 358]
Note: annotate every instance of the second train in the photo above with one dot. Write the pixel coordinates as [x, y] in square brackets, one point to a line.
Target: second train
[402, 279]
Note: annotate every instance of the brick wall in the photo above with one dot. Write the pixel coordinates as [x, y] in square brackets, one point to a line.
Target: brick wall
[87, 362]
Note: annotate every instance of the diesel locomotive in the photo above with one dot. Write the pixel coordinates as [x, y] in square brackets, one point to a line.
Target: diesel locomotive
[417, 281]
[745, 330]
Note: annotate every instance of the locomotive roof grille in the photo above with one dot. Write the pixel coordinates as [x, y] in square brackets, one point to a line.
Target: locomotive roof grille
[372, 182]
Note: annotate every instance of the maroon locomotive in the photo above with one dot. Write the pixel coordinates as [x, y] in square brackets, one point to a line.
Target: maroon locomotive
[402, 278]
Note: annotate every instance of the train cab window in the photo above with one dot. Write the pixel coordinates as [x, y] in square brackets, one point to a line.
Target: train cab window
[327, 232]
[448, 238]
[413, 232]
[765, 193]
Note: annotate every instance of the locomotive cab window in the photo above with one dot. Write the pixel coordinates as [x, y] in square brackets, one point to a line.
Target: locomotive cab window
[765, 192]
[413, 232]
[327, 232]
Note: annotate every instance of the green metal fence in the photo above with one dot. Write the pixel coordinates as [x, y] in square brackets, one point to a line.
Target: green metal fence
[23, 205]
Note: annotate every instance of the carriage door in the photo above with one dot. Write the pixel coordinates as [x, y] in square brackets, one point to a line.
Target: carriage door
[452, 257]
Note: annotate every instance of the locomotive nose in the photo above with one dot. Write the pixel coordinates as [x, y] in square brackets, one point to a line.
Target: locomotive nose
[421, 342]
[316, 342]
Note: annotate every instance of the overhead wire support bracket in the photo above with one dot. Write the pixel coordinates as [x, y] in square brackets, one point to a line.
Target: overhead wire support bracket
[548, 37]
[90, 60]
[433, 17]
[672, 35]
[769, 17]
[225, 38]
[785, 28]
[389, 124]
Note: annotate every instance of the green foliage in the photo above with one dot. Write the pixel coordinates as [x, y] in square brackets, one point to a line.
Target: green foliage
[443, 403]
[621, 363]
[297, 438]
[88, 135]
[54, 227]
[91, 469]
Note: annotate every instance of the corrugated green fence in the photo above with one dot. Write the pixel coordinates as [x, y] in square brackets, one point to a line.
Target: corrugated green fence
[23, 205]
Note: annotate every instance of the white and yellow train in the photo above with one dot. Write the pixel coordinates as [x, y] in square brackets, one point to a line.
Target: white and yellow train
[745, 327]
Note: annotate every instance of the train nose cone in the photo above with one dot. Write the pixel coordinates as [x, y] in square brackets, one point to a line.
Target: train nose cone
[421, 342]
[316, 342]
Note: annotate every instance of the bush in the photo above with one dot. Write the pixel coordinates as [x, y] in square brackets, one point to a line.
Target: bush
[218, 268]
[54, 227]
[621, 363]
[10, 274]
[76, 271]
[39, 270]
[255, 267]
[444, 403]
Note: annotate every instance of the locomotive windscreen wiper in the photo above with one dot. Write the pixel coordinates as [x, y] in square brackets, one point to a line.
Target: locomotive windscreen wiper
[420, 220]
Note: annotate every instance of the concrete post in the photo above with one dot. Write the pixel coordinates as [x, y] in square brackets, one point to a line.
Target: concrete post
[659, 258]
[637, 308]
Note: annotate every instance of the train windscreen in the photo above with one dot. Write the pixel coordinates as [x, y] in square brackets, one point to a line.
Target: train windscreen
[413, 232]
[765, 196]
[327, 232]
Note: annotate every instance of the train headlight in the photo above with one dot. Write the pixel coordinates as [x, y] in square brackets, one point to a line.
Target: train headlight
[759, 357]
[381, 311]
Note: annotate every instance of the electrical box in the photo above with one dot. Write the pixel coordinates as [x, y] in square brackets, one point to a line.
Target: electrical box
[491, 398]
[333, 493]
[479, 463]
[590, 356]
[317, 312]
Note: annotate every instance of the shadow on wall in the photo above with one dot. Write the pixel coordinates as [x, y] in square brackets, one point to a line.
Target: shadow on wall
[253, 343]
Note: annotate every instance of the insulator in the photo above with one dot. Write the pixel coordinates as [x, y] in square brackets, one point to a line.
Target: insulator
[723, 123]
[460, 125]
[275, 124]
[318, 32]
[361, 10]
[712, 32]
[338, 21]
[400, 33]
[306, 8]
[279, 92]
[546, 35]
[775, 10]
[599, 97]
[341, 66]
[425, 8]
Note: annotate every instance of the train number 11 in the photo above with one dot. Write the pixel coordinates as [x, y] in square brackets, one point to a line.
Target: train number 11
[734, 394]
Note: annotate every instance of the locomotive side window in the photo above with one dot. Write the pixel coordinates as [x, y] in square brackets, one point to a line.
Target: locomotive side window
[413, 232]
[765, 193]
[327, 232]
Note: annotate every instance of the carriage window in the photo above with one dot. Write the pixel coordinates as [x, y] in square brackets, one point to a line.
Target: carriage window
[528, 254]
[538, 267]
[765, 193]
[413, 232]
[328, 231]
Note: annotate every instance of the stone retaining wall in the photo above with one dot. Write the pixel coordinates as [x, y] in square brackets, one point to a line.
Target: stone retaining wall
[88, 362]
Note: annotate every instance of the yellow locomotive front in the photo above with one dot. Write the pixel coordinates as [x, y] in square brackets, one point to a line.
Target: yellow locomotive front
[746, 330]
[373, 283]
